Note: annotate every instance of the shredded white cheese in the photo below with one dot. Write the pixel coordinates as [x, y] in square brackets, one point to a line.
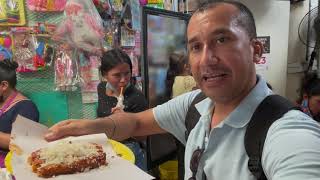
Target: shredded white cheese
[67, 152]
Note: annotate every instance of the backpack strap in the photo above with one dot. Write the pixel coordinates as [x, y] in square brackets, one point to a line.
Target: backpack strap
[193, 116]
[269, 110]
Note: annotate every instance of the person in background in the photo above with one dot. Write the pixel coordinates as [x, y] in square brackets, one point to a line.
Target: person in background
[309, 100]
[223, 49]
[12, 103]
[179, 78]
[116, 69]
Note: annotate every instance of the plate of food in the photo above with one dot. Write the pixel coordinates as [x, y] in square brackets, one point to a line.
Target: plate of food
[120, 149]
[73, 158]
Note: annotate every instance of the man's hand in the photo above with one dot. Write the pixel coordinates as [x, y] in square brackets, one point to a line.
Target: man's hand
[71, 128]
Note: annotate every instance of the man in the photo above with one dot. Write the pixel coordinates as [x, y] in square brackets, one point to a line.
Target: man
[222, 51]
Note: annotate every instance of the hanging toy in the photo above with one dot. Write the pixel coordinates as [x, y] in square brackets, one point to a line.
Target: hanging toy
[38, 61]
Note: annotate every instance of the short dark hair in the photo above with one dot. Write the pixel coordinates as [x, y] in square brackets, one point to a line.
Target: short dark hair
[310, 85]
[112, 58]
[245, 18]
[177, 64]
[8, 72]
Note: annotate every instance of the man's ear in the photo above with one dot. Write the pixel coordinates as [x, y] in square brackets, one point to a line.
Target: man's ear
[257, 50]
[4, 85]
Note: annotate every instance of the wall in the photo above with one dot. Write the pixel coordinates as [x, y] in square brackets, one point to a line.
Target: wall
[297, 51]
[272, 19]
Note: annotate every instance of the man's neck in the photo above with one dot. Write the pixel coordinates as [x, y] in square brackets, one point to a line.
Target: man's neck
[221, 111]
[223, 108]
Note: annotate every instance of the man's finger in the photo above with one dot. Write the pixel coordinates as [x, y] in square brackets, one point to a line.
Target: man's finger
[59, 131]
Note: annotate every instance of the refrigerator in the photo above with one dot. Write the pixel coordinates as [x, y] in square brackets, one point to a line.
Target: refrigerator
[163, 33]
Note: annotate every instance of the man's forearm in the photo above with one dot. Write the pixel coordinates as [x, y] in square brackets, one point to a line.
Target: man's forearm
[121, 126]
[118, 126]
[4, 140]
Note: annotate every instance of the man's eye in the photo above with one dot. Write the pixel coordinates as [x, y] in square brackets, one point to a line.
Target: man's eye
[194, 47]
[221, 40]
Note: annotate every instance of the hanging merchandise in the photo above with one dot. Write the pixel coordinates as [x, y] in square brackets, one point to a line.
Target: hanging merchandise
[46, 5]
[44, 51]
[65, 69]
[3, 12]
[104, 8]
[12, 13]
[111, 34]
[81, 27]
[24, 49]
[116, 5]
[89, 70]
[127, 36]
[135, 15]
[5, 45]
[43, 29]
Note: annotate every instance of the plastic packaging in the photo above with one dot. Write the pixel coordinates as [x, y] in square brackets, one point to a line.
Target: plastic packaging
[46, 5]
[82, 26]
[24, 50]
[64, 69]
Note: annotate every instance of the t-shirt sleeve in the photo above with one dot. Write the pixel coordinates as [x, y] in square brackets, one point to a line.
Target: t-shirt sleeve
[170, 116]
[29, 110]
[292, 148]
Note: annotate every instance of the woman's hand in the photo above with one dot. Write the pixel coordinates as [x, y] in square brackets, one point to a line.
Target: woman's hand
[70, 128]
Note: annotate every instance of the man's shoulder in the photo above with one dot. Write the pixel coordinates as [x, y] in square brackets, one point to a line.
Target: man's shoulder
[292, 126]
[292, 142]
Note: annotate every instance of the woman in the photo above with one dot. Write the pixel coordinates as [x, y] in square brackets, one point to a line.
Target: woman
[179, 79]
[309, 99]
[116, 69]
[12, 103]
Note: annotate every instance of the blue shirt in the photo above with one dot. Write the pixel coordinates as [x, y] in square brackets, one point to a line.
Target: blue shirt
[25, 108]
[291, 150]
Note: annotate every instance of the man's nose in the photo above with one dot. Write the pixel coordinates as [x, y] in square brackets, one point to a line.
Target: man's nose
[208, 57]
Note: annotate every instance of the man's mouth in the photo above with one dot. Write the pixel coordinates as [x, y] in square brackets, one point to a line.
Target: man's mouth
[213, 77]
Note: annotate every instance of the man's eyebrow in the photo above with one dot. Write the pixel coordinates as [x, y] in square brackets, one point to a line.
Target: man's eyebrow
[213, 33]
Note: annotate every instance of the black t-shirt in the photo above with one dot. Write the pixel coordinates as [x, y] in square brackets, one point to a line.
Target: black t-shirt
[134, 101]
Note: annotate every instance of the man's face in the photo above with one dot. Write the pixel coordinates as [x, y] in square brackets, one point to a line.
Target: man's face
[221, 54]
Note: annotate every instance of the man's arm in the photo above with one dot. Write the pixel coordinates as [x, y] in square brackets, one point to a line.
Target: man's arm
[118, 126]
[4, 140]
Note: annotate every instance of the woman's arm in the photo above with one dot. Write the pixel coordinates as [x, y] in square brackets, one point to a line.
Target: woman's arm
[4, 140]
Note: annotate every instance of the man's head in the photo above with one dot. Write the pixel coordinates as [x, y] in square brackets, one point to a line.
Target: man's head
[222, 49]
